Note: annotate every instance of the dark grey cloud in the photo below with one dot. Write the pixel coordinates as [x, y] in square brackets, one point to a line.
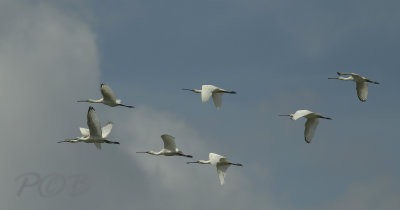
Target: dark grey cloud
[275, 54]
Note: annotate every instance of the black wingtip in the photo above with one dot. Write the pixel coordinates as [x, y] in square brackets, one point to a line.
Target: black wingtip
[362, 100]
[91, 108]
[338, 73]
[308, 142]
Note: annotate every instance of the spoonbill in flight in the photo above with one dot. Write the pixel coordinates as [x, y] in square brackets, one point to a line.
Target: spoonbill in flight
[169, 148]
[95, 134]
[311, 123]
[108, 98]
[210, 90]
[219, 161]
[361, 84]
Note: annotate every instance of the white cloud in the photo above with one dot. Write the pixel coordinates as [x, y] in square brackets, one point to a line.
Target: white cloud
[48, 59]
[188, 184]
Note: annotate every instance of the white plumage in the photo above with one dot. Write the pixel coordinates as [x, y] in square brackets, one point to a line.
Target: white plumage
[361, 83]
[95, 134]
[169, 149]
[311, 123]
[208, 91]
[220, 162]
[108, 98]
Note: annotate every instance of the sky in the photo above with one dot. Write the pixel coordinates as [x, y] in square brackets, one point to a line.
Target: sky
[277, 56]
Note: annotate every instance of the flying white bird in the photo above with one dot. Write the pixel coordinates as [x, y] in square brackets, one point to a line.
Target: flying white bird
[95, 134]
[221, 162]
[169, 148]
[361, 84]
[311, 123]
[108, 98]
[210, 90]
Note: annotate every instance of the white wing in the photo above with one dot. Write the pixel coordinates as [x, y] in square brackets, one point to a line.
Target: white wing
[93, 123]
[301, 113]
[206, 92]
[351, 74]
[362, 90]
[84, 132]
[169, 142]
[215, 158]
[311, 126]
[217, 98]
[98, 145]
[106, 130]
[357, 77]
[107, 93]
[221, 170]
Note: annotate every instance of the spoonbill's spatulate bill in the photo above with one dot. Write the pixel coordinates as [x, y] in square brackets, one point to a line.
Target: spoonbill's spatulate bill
[220, 162]
[208, 91]
[361, 83]
[108, 98]
[169, 149]
[311, 123]
[95, 134]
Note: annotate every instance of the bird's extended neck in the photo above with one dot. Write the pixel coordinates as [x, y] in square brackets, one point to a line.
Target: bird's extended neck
[342, 78]
[200, 162]
[151, 152]
[92, 100]
[286, 115]
[193, 90]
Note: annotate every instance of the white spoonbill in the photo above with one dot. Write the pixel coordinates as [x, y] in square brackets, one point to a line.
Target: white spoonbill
[361, 84]
[311, 123]
[219, 161]
[95, 134]
[169, 148]
[108, 98]
[210, 90]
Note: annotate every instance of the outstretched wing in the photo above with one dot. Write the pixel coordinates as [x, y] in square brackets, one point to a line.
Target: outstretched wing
[221, 170]
[169, 142]
[362, 90]
[311, 126]
[217, 98]
[107, 93]
[206, 92]
[106, 130]
[84, 132]
[98, 145]
[301, 113]
[215, 158]
[93, 123]
[349, 74]
[356, 77]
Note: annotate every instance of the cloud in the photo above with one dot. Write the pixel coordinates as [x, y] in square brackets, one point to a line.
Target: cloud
[48, 60]
[190, 186]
